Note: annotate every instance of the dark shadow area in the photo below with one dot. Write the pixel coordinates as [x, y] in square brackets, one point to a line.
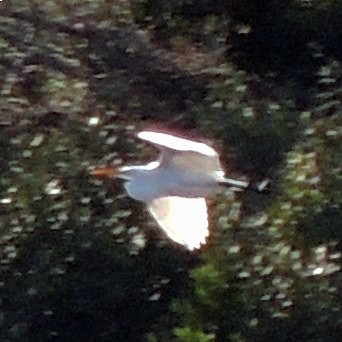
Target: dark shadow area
[135, 76]
[321, 227]
[101, 295]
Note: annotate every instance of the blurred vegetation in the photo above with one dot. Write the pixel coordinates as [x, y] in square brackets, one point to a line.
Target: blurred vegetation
[81, 261]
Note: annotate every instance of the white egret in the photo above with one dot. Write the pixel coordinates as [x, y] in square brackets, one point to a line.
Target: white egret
[175, 186]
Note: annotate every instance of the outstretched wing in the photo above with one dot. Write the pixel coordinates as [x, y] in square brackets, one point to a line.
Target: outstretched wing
[184, 154]
[184, 220]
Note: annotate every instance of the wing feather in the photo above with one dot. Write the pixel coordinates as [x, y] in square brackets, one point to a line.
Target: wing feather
[184, 220]
[176, 143]
[183, 154]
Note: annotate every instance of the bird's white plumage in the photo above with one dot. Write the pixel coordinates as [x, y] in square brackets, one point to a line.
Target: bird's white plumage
[184, 220]
[175, 186]
[187, 172]
[185, 156]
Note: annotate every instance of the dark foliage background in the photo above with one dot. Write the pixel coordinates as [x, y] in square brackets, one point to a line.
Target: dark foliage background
[79, 260]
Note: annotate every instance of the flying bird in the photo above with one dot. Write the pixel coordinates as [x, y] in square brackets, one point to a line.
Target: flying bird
[175, 186]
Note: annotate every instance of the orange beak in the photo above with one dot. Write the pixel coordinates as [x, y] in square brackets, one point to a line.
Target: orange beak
[104, 172]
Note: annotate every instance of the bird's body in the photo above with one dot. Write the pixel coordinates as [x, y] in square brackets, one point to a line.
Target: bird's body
[191, 185]
[185, 168]
[175, 186]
